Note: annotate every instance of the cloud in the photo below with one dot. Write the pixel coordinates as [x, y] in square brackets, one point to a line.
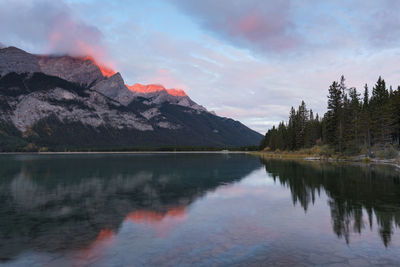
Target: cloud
[46, 26]
[290, 28]
[383, 26]
[249, 60]
[247, 23]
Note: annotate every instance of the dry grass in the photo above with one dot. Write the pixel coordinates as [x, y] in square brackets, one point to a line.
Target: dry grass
[320, 152]
[389, 152]
[325, 153]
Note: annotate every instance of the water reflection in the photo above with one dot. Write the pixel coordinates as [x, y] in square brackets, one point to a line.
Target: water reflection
[194, 209]
[53, 203]
[351, 189]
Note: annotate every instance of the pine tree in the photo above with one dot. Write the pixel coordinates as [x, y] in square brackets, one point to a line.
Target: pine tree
[395, 115]
[334, 130]
[281, 136]
[354, 117]
[365, 121]
[313, 130]
[348, 124]
[292, 130]
[366, 96]
[380, 114]
[301, 122]
[308, 133]
[379, 93]
[341, 114]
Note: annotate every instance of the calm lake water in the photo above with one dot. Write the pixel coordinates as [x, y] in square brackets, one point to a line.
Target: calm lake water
[195, 209]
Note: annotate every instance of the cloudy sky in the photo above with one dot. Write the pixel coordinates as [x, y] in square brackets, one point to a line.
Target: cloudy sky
[246, 59]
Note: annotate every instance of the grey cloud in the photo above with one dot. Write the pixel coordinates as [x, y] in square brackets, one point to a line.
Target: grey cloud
[383, 27]
[45, 26]
[260, 25]
[299, 27]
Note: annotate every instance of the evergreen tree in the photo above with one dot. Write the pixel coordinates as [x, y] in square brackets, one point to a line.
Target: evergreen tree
[292, 130]
[365, 121]
[313, 131]
[301, 122]
[354, 118]
[379, 93]
[334, 130]
[348, 125]
[380, 114]
[366, 96]
[395, 115]
[281, 137]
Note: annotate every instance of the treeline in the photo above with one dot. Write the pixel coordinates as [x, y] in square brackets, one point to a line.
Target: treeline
[352, 124]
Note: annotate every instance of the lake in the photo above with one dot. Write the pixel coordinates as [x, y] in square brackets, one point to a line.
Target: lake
[195, 209]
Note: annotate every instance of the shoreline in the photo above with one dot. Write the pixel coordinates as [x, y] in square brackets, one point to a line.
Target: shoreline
[267, 155]
[303, 157]
[123, 152]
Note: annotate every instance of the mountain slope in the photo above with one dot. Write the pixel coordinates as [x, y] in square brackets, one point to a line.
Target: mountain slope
[69, 103]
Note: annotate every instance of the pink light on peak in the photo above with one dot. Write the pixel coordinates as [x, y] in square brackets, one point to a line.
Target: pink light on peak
[62, 42]
[106, 71]
[176, 92]
[151, 88]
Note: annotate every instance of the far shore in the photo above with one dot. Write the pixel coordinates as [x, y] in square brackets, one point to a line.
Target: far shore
[285, 155]
[123, 152]
[289, 155]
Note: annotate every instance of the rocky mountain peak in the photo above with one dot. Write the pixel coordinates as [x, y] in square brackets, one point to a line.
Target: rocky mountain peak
[13, 59]
[114, 87]
[73, 69]
[61, 102]
[88, 73]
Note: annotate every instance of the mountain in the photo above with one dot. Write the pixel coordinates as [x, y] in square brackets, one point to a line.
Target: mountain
[70, 103]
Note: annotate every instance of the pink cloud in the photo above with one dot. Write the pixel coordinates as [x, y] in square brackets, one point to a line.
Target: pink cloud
[251, 24]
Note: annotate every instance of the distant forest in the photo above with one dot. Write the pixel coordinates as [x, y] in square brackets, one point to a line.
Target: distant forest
[353, 123]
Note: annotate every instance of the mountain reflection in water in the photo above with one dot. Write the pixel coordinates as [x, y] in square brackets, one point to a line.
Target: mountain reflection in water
[350, 189]
[58, 202]
[195, 209]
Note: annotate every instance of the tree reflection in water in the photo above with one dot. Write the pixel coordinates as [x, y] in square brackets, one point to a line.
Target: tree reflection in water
[350, 188]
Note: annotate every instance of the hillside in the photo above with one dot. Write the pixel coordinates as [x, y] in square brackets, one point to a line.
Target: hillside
[63, 103]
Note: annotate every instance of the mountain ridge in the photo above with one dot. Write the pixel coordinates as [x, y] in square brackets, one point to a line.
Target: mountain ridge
[64, 102]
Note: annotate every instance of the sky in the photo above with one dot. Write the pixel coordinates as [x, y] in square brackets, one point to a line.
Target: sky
[250, 60]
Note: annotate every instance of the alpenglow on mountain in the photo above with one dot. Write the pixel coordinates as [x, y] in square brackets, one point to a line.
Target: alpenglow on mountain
[64, 102]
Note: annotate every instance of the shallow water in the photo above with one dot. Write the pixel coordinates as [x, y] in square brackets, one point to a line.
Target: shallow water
[195, 209]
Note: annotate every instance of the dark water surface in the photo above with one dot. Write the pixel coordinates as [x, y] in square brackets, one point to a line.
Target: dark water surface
[195, 209]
